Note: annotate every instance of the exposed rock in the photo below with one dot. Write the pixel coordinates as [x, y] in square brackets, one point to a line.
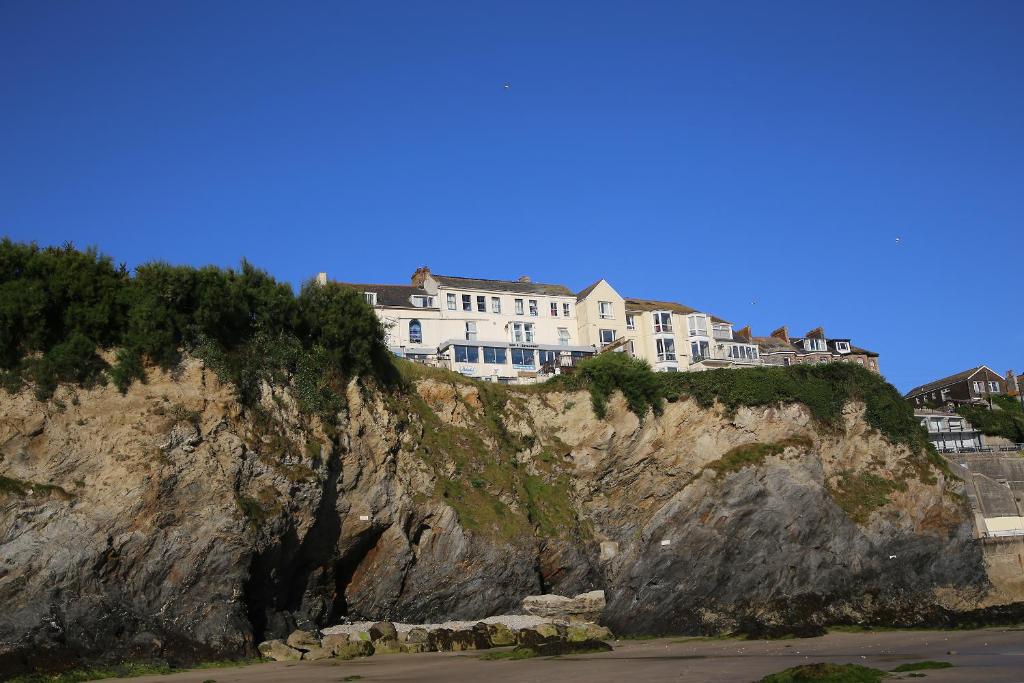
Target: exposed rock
[540, 634]
[383, 630]
[417, 635]
[413, 648]
[501, 635]
[586, 631]
[353, 649]
[470, 639]
[334, 642]
[383, 646]
[279, 651]
[236, 526]
[318, 653]
[583, 607]
[304, 640]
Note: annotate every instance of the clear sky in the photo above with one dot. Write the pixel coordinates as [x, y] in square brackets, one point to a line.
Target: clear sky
[855, 165]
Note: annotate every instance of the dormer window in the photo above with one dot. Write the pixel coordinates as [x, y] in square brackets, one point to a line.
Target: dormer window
[814, 345]
[843, 347]
[371, 298]
[422, 301]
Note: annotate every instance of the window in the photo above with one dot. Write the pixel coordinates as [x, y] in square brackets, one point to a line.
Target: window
[548, 357]
[522, 333]
[495, 304]
[533, 307]
[467, 302]
[662, 322]
[956, 424]
[494, 356]
[698, 324]
[979, 387]
[814, 344]
[721, 330]
[607, 337]
[470, 330]
[699, 350]
[563, 336]
[415, 332]
[993, 386]
[522, 359]
[630, 321]
[422, 301]
[554, 309]
[666, 349]
[451, 302]
[944, 394]
[843, 347]
[481, 304]
[604, 310]
[566, 309]
[371, 298]
[519, 306]
[467, 354]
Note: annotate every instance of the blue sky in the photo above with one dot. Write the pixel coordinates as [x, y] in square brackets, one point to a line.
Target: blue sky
[758, 160]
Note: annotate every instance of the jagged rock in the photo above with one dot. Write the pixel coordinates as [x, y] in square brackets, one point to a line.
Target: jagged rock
[383, 630]
[501, 635]
[555, 648]
[383, 646]
[440, 640]
[470, 639]
[318, 653]
[584, 607]
[304, 640]
[417, 634]
[279, 651]
[587, 631]
[541, 633]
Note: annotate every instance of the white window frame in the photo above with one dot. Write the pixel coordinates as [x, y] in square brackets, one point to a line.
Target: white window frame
[370, 298]
[666, 349]
[697, 325]
[605, 310]
[554, 309]
[523, 333]
[471, 332]
[519, 308]
[563, 336]
[453, 304]
[533, 307]
[481, 303]
[467, 303]
[979, 387]
[662, 322]
[630, 321]
[566, 309]
[843, 347]
[495, 304]
[993, 386]
[601, 337]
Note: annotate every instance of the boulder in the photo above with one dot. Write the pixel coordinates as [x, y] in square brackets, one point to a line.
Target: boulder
[383, 646]
[500, 635]
[470, 639]
[413, 648]
[317, 653]
[417, 634]
[360, 635]
[583, 607]
[279, 651]
[334, 641]
[354, 648]
[541, 633]
[578, 632]
[383, 630]
[304, 640]
[440, 640]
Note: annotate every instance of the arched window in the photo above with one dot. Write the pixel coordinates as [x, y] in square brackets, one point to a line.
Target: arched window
[415, 332]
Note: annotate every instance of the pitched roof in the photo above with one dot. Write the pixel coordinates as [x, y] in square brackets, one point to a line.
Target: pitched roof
[583, 293]
[635, 305]
[512, 286]
[857, 349]
[946, 381]
[774, 344]
[389, 295]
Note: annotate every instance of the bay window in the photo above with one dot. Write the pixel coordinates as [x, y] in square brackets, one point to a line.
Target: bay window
[698, 325]
[666, 349]
[699, 350]
[662, 322]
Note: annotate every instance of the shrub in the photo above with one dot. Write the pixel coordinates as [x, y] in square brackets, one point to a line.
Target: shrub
[608, 372]
[827, 673]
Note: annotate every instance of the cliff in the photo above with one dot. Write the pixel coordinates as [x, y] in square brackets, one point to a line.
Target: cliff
[173, 522]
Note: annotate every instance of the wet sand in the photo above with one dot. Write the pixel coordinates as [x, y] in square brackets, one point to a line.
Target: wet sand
[989, 655]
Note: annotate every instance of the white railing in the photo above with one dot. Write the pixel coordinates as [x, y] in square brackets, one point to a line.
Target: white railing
[1012, 448]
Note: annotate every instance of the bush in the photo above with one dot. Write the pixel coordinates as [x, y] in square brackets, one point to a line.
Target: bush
[1005, 419]
[58, 306]
[608, 372]
[827, 673]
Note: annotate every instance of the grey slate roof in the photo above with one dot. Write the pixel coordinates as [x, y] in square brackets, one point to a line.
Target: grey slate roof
[389, 295]
[634, 305]
[511, 286]
[945, 381]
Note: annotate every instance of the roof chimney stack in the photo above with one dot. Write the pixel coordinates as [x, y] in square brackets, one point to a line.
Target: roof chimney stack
[420, 275]
[743, 334]
[782, 333]
[816, 333]
[321, 279]
[524, 278]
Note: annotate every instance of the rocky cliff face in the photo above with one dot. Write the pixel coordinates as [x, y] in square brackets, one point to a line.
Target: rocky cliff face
[171, 522]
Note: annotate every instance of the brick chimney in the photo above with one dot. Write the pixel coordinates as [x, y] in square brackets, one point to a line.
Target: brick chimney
[743, 334]
[524, 278]
[816, 333]
[1012, 383]
[782, 333]
[420, 275]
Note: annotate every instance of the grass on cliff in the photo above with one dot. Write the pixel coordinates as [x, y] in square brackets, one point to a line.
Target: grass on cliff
[755, 453]
[860, 494]
[1006, 419]
[21, 489]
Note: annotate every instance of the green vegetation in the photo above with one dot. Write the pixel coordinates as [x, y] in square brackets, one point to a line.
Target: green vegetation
[862, 493]
[922, 666]
[59, 307]
[754, 453]
[19, 488]
[553, 648]
[1006, 419]
[123, 670]
[606, 373]
[827, 673]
